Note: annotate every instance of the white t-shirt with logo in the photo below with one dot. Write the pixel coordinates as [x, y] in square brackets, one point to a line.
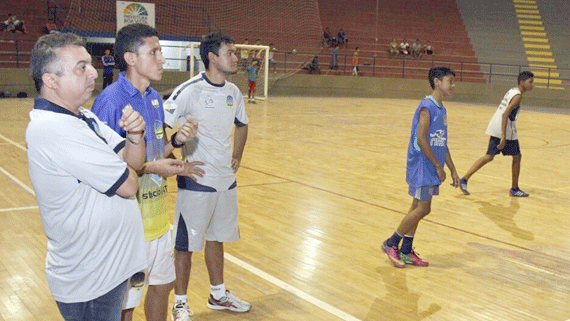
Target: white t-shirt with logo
[217, 108]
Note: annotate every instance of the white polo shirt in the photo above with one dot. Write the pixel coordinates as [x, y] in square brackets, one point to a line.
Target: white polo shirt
[95, 237]
[216, 108]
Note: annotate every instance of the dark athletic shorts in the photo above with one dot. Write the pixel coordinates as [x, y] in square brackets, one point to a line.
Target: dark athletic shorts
[511, 148]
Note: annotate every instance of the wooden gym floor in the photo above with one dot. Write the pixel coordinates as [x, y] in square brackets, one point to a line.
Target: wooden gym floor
[322, 184]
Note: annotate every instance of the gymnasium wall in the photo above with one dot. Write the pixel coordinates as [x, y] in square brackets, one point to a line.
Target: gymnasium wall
[335, 86]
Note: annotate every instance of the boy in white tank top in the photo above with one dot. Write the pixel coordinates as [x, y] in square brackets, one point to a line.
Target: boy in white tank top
[503, 131]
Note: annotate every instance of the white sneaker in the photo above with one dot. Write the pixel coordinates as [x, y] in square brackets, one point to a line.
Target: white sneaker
[181, 312]
[228, 302]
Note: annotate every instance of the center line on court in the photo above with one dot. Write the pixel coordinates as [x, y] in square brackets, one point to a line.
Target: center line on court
[291, 289]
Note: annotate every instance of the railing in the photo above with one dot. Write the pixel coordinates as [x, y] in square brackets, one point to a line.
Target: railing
[378, 65]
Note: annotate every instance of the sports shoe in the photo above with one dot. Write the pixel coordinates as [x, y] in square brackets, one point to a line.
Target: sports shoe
[181, 312]
[413, 259]
[392, 254]
[463, 186]
[518, 193]
[228, 302]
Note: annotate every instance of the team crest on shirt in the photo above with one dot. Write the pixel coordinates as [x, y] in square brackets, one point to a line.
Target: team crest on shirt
[230, 101]
[437, 138]
[158, 129]
[170, 108]
[155, 103]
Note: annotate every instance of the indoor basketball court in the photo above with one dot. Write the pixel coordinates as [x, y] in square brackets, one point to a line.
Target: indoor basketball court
[321, 185]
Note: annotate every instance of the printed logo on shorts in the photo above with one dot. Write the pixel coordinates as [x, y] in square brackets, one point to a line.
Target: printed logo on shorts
[437, 138]
[230, 101]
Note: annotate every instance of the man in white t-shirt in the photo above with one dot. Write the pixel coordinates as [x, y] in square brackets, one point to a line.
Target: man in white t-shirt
[84, 177]
[207, 208]
[503, 131]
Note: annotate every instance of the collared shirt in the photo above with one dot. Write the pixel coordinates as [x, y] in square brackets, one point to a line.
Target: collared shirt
[152, 194]
[217, 108]
[419, 170]
[95, 240]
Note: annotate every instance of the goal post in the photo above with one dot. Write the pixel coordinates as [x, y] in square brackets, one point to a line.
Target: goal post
[263, 72]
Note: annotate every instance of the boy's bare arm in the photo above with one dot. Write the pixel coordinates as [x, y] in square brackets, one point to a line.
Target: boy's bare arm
[515, 101]
[451, 166]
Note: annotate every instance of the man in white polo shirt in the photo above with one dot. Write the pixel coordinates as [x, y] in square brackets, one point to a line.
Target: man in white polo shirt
[83, 174]
[207, 209]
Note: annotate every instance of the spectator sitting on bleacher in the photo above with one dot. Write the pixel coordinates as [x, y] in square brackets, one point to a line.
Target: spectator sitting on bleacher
[393, 48]
[8, 23]
[50, 27]
[313, 67]
[428, 49]
[341, 38]
[417, 49]
[17, 26]
[404, 48]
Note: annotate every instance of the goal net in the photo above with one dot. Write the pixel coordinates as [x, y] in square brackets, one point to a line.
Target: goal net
[246, 54]
[289, 26]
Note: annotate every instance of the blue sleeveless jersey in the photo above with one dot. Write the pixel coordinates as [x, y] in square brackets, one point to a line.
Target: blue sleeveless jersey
[419, 170]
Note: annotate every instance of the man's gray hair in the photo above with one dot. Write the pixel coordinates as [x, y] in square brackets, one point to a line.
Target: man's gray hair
[44, 58]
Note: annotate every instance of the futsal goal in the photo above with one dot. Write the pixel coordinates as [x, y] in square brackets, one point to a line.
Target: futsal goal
[263, 71]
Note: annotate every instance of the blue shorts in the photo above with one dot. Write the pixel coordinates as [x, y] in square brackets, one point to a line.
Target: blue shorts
[423, 193]
[511, 147]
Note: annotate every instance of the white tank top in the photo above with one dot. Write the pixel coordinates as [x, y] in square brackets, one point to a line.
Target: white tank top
[494, 128]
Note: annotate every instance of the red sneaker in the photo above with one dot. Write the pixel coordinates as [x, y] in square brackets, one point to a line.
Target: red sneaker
[392, 254]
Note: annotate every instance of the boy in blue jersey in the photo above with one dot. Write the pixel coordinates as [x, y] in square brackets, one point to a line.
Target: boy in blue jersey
[140, 60]
[427, 154]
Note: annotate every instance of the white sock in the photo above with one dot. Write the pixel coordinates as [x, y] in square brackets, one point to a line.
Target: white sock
[180, 299]
[218, 291]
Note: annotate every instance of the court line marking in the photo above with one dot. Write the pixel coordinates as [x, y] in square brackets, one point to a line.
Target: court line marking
[271, 279]
[13, 142]
[291, 289]
[17, 181]
[18, 208]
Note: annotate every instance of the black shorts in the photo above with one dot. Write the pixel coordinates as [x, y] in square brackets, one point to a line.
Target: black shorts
[511, 148]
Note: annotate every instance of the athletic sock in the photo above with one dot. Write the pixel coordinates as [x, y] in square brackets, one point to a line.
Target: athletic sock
[407, 244]
[180, 299]
[218, 291]
[394, 240]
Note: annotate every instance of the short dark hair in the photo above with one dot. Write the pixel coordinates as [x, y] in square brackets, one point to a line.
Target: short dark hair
[212, 43]
[129, 39]
[524, 76]
[439, 73]
[44, 59]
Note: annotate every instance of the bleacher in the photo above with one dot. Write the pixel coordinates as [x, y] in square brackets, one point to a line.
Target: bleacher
[15, 47]
[438, 21]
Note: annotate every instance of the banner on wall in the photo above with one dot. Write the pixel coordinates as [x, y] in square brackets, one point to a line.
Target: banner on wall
[134, 12]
